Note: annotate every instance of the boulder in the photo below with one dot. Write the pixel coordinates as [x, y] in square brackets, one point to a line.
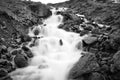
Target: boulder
[3, 72]
[20, 61]
[90, 39]
[86, 64]
[41, 10]
[116, 60]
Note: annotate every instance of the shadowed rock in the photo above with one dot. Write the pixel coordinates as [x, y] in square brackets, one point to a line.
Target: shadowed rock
[86, 64]
[20, 61]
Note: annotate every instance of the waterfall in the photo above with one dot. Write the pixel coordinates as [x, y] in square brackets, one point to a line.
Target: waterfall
[55, 52]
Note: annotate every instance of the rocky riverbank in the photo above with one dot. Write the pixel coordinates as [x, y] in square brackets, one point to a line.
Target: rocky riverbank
[101, 23]
[16, 17]
[101, 59]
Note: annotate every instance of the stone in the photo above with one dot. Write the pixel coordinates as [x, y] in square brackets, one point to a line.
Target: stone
[20, 61]
[116, 60]
[96, 76]
[90, 39]
[15, 52]
[3, 49]
[25, 48]
[86, 64]
[25, 38]
[36, 31]
[29, 54]
[3, 72]
[6, 65]
[41, 10]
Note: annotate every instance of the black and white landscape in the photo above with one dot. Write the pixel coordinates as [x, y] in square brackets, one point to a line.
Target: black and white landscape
[59, 40]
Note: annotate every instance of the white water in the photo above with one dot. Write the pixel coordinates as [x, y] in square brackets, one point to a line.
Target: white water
[54, 54]
[48, 1]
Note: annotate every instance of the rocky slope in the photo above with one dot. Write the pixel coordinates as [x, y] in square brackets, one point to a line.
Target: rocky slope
[16, 17]
[101, 59]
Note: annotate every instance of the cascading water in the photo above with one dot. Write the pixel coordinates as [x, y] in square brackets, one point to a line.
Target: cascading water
[55, 52]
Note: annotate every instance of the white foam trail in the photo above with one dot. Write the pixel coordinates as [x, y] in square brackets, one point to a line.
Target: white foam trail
[55, 53]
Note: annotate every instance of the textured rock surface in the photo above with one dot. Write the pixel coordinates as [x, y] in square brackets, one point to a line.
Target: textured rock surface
[86, 64]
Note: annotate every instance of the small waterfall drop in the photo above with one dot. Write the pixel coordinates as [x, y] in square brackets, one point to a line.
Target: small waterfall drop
[55, 52]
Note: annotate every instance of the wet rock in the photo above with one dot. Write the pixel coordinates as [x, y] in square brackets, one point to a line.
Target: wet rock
[86, 64]
[3, 72]
[36, 32]
[20, 61]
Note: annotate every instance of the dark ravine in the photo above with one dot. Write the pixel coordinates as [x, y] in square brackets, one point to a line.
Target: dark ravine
[102, 60]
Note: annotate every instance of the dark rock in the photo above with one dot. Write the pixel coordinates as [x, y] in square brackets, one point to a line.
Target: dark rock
[3, 72]
[41, 10]
[105, 68]
[96, 31]
[96, 76]
[25, 38]
[82, 33]
[6, 65]
[86, 64]
[29, 54]
[25, 48]
[116, 76]
[20, 61]
[116, 60]
[36, 31]
[3, 49]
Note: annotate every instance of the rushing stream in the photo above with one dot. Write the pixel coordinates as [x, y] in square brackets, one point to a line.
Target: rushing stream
[55, 52]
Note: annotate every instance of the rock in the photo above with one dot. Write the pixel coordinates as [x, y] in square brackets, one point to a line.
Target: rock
[41, 10]
[116, 60]
[29, 54]
[3, 72]
[84, 32]
[25, 38]
[25, 48]
[3, 49]
[6, 65]
[36, 32]
[86, 64]
[90, 39]
[20, 61]
[96, 76]
[15, 52]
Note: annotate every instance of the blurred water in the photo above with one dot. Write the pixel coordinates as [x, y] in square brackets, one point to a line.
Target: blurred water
[55, 53]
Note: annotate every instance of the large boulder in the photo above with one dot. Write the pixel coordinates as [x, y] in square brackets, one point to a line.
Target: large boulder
[116, 60]
[86, 64]
[41, 10]
[20, 61]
